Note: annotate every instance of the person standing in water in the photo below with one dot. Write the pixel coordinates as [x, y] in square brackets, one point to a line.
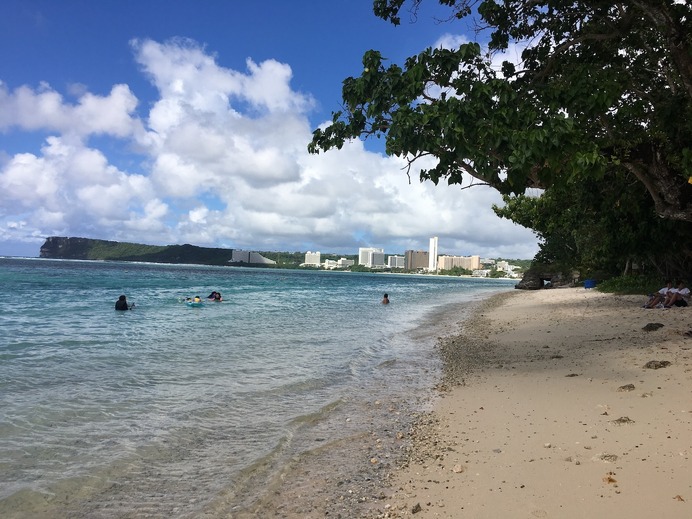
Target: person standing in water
[121, 304]
[385, 299]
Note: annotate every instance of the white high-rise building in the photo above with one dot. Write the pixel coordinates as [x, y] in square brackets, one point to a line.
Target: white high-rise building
[432, 255]
[371, 257]
[395, 262]
[313, 258]
[377, 259]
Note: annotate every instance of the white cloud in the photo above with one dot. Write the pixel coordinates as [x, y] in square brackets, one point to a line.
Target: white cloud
[223, 162]
[45, 109]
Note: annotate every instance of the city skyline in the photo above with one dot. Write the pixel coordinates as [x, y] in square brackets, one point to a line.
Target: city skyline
[374, 257]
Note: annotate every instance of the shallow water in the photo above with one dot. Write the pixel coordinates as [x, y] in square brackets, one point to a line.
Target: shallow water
[178, 404]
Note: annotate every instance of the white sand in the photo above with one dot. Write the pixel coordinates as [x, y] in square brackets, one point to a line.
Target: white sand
[535, 432]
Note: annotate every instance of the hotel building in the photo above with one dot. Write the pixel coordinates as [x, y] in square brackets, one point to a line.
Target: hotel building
[464, 262]
[313, 259]
[396, 262]
[415, 259]
[371, 257]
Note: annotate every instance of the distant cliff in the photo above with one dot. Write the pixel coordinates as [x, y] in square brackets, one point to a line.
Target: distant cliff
[57, 247]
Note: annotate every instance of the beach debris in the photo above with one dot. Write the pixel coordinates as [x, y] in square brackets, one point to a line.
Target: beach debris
[572, 375]
[678, 498]
[416, 508]
[626, 387]
[652, 327]
[610, 458]
[556, 357]
[657, 364]
[623, 420]
[609, 479]
[458, 468]
[547, 445]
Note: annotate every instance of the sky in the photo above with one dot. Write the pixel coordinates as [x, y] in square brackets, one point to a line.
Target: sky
[171, 122]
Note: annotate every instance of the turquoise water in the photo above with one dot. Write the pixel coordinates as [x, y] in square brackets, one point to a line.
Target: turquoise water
[191, 399]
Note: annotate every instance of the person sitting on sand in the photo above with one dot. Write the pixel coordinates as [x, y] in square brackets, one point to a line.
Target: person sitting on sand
[677, 297]
[659, 297]
[121, 304]
[385, 299]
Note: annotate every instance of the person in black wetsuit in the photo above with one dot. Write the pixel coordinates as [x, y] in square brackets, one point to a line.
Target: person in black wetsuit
[121, 304]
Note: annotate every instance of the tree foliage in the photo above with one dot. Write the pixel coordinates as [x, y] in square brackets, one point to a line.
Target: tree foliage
[602, 89]
[607, 226]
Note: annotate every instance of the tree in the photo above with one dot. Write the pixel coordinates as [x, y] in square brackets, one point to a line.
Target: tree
[602, 88]
[603, 226]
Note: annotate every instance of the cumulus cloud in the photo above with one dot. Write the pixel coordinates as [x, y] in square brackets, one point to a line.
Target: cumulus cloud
[219, 158]
[45, 109]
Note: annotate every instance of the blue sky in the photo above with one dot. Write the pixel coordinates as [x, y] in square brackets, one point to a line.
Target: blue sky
[177, 121]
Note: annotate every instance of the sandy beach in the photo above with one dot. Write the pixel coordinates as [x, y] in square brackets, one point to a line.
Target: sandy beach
[549, 410]
[563, 403]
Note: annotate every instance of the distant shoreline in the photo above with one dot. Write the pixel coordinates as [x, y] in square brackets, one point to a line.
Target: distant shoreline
[201, 265]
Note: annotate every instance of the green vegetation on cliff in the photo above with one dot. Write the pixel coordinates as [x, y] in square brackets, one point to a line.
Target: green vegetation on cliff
[89, 249]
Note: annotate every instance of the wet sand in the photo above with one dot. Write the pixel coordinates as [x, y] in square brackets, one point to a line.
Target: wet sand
[546, 409]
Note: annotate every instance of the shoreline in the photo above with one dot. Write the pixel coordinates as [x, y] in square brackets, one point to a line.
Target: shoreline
[353, 476]
[547, 410]
[544, 409]
[349, 475]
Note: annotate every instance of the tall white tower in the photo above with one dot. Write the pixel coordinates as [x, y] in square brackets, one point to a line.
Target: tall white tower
[432, 255]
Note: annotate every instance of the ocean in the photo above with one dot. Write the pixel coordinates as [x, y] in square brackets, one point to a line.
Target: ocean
[172, 411]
